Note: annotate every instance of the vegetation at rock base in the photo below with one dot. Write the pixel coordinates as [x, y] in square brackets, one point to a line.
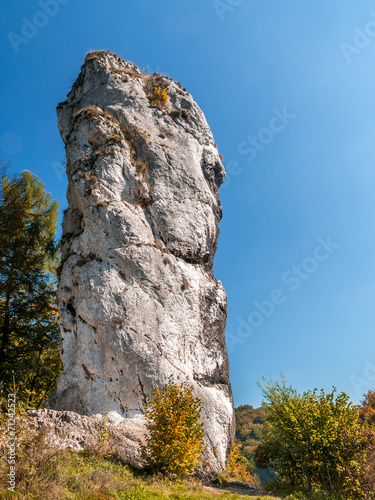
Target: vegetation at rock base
[29, 342]
[238, 467]
[45, 472]
[175, 440]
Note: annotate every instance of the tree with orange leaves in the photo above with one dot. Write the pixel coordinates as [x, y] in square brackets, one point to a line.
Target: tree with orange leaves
[367, 408]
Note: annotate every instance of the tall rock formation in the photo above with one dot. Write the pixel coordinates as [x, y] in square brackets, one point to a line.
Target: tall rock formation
[138, 299]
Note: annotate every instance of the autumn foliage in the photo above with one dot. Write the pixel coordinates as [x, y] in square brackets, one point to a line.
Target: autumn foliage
[237, 467]
[367, 409]
[175, 431]
[159, 97]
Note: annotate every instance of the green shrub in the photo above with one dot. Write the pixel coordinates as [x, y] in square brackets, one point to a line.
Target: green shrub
[314, 441]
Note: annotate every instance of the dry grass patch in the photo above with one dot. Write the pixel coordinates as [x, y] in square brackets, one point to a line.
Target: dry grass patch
[141, 169]
[180, 113]
[93, 111]
[159, 245]
[96, 54]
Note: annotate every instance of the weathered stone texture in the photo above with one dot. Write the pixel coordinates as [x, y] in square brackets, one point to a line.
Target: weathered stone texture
[138, 299]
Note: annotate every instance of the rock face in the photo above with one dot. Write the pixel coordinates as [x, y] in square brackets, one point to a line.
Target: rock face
[67, 429]
[138, 299]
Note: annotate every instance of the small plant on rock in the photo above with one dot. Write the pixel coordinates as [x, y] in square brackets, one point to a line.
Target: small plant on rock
[159, 97]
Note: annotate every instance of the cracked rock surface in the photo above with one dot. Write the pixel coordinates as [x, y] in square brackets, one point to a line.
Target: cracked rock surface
[67, 429]
[138, 299]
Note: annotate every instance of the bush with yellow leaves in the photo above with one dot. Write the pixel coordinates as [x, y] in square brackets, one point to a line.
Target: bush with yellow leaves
[175, 431]
[238, 466]
[159, 97]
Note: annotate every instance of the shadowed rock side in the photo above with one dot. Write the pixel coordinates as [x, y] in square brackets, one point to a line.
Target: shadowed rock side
[138, 299]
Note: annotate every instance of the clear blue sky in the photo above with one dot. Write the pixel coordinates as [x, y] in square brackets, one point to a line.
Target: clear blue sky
[312, 172]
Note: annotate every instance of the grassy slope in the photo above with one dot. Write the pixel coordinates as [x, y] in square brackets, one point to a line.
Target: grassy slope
[45, 472]
[66, 475]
